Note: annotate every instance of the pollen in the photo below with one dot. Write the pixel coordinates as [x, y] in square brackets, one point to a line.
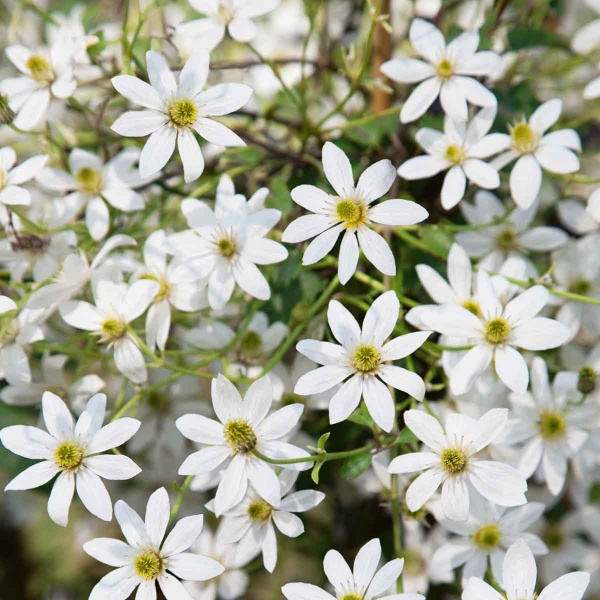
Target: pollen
[454, 154]
[472, 306]
[260, 510]
[366, 359]
[352, 212]
[351, 597]
[240, 436]
[227, 245]
[89, 179]
[524, 139]
[445, 69]
[487, 537]
[586, 383]
[453, 460]
[148, 566]
[113, 329]
[497, 331]
[183, 113]
[39, 68]
[68, 456]
[506, 240]
[552, 425]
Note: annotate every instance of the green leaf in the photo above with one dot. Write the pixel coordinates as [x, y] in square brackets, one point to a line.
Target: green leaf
[527, 37]
[362, 417]
[314, 475]
[438, 240]
[406, 436]
[323, 440]
[355, 466]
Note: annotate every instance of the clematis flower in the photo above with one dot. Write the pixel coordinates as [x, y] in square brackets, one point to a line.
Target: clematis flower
[11, 176]
[146, 560]
[73, 451]
[452, 462]
[447, 71]
[360, 359]
[350, 211]
[175, 110]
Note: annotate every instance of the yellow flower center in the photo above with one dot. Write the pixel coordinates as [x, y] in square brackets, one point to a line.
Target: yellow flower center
[497, 331]
[351, 597]
[366, 359]
[586, 383]
[472, 306]
[89, 179]
[553, 536]
[226, 245]
[552, 425]
[352, 212]
[149, 565]
[260, 510]
[183, 113]
[39, 68]
[454, 154]
[453, 460]
[506, 240]
[113, 329]
[239, 435]
[68, 456]
[581, 286]
[251, 346]
[487, 537]
[524, 139]
[445, 69]
[3, 178]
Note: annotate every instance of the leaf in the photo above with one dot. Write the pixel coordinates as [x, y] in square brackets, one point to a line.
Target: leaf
[314, 475]
[406, 436]
[527, 37]
[323, 440]
[362, 417]
[355, 466]
[438, 240]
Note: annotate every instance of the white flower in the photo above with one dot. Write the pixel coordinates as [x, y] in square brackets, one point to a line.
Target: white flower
[364, 582]
[73, 451]
[534, 150]
[361, 356]
[232, 583]
[251, 524]
[519, 578]
[580, 217]
[183, 296]
[460, 150]
[46, 72]
[74, 275]
[117, 305]
[587, 38]
[486, 536]
[449, 72]
[11, 177]
[244, 427]
[6, 304]
[496, 332]
[224, 246]
[94, 183]
[349, 211]
[53, 376]
[15, 336]
[145, 559]
[175, 110]
[234, 15]
[552, 430]
[511, 237]
[454, 463]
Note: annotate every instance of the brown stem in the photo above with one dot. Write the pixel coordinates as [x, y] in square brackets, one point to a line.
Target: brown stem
[382, 52]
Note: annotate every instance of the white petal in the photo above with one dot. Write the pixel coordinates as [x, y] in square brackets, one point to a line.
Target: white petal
[453, 189]
[338, 170]
[348, 258]
[376, 181]
[137, 91]
[557, 159]
[93, 494]
[61, 497]
[183, 535]
[113, 435]
[380, 403]
[470, 367]
[157, 151]
[455, 499]
[139, 123]
[397, 212]
[426, 428]
[380, 320]
[420, 100]
[422, 488]
[191, 155]
[34, 476]
[118, 467]
[407, 70]
[422, 167]
[546, 115]
[344, 402]
[377, 250]
[115, 553]
[57, 417]
[194, 567]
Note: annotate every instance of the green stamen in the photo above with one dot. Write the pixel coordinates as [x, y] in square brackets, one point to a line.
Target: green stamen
[68, 456]
[487, 537]
[240, 436]
[497, 331]
[183, 113]
[453, 460]
[148, 566]
[366, 359]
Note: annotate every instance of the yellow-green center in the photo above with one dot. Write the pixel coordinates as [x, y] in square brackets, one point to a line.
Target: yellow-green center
[148, 566]
[227, 247]
[487, 537]
[445, 69]
[251, 345]
[90, 180]
[351, 597]
[259, 510]
[39, 68]
[113, 329]
[552, 536]
[352, 212]
[183, 113]
[581, 286]
[524, 139]
[472, 306]
[497, 331]
[453, 460]
[506, 240]
[366, 359]
[68, 456]
[239, 435]
[454, 154]
[3, 177]
[552, 425]
[586, 382]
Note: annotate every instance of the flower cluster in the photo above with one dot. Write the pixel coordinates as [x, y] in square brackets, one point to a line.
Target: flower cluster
[181, 333]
